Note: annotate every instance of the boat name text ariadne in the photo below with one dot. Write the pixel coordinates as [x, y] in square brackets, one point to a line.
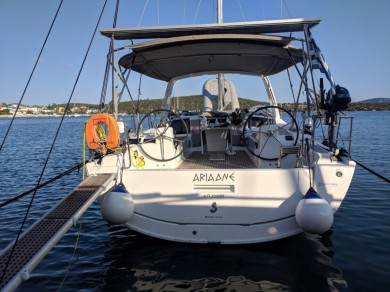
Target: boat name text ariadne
[206, 177]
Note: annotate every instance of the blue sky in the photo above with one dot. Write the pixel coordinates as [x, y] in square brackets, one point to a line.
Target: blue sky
[354, 37]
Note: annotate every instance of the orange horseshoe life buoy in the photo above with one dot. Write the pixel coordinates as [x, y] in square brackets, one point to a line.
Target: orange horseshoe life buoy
[94, 140]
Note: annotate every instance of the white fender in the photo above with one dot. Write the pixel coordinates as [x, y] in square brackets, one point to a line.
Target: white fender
[117, 206]
[313, 213]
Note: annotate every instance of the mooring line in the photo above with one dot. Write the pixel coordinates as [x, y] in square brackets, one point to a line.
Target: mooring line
[373, 172]
[70, 170]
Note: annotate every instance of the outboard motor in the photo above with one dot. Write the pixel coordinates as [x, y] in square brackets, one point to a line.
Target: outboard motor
[338, 101]
[334, 103]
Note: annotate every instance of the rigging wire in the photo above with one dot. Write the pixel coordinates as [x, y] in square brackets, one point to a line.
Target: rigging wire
[124, 80]
[242, 12]
[291, 85]
[107, 71]
[197, 10]
[262, 8]
[184, 12]
[120, 94]
[285, 5]
[116, 14]
[143, 11]
[51, 148]
[104, 88]
[158, 12]
[139, 93]
[29, 79]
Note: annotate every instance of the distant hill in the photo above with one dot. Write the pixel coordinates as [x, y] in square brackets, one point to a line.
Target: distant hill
[376, 100]
[185, 103]
[195, 102]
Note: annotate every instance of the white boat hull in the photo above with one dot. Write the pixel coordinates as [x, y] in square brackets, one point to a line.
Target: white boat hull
[228, 206]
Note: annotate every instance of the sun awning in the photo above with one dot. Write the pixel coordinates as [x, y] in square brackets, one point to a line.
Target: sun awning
[253, 27]
[165, 59]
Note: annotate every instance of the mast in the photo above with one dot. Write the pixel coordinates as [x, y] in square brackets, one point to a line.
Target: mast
[221, 90]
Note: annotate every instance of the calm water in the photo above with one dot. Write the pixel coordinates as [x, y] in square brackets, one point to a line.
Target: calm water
[353, 256]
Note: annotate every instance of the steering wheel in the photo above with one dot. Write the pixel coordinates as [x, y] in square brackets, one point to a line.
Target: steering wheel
[270, 130]
[167, 117]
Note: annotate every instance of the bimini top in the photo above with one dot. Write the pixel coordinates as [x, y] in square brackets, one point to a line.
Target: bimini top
[168, 58]
[253, 27]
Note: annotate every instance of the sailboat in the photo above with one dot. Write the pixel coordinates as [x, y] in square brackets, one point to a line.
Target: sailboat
[229, 174]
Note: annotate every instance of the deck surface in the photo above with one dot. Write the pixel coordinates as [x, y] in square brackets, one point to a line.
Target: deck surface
[197, 160]
[37, 241]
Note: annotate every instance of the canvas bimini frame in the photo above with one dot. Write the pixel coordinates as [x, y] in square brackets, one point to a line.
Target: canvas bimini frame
[178, 52]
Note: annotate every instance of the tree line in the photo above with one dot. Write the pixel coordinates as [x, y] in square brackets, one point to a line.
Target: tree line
[194, 103]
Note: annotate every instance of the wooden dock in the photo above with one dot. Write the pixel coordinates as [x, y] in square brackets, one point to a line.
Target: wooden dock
[42, 236]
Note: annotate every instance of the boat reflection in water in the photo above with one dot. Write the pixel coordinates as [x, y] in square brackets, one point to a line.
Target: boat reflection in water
[298, 263]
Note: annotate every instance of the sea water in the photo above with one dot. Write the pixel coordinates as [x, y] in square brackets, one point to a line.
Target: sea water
[353, 256]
